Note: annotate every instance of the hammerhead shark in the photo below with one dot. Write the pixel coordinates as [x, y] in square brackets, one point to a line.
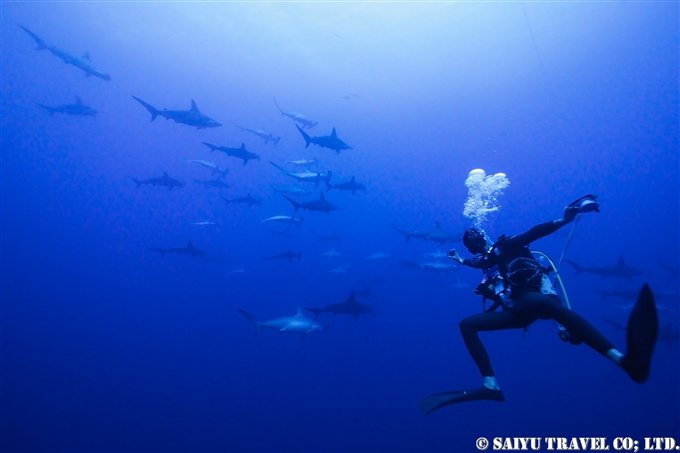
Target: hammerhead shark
[437, 234]
[248, 199]
[619, 270]
[298, 323]
[284, 219]
[297, 117]
[216, 183]
[349, 307]
[162, 181]
[212, 166]
[351, 186]
[192, 117]
[264, 135]
[289, 255]
[83, 63]
[325, 141]
[239, 153]
[306, 176]
[321, 205]
[190, 250]
[78, 108]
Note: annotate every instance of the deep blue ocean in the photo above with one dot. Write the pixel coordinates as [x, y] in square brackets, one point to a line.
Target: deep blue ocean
[110, 342]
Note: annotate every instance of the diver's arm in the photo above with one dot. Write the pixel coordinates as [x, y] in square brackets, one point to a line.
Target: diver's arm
[475, 261]
[543, 229]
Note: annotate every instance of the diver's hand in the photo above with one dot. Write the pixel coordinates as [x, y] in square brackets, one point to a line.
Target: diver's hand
[570, 213]
[453, 254]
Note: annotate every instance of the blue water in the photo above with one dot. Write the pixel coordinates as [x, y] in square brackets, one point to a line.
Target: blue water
[109, 346]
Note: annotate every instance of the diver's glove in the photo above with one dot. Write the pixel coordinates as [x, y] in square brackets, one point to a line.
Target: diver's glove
[453, 254]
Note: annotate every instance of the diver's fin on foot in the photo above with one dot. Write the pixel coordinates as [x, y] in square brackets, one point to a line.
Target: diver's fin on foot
[643, 327]
[436, 401]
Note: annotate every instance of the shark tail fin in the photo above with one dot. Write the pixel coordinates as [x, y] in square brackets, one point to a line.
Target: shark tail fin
[136, 181]
[252, 320]
[406, 234]
[278, 108]
[329, 186]
[152, 110]
[308, 139]
[577, 267]
[48, 109]
[295, 204]
[210, 145]
[315, 311]
[278, 166]
[39, 42]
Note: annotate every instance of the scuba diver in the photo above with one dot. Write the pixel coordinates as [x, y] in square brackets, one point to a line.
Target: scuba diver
[516, 282]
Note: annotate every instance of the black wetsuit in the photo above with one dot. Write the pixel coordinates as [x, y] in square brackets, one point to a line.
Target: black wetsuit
[527, 301]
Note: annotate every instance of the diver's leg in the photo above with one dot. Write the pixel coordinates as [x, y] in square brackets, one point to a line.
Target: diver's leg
[469, 328]
[642, 331]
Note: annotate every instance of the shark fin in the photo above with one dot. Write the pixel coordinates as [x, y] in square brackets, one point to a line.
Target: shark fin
[194, 107]
[334, 134]
[299, 312]
[86, 56]
[322, 197]
[577, 267]
[79, 101]
[278, 166]
[40, 43]
[48, 109]
[621, 262]
[151, 109]
[252, 320]
[210, 145]
[295, 204]
[277, 106]
[165, 174]
[308, 139]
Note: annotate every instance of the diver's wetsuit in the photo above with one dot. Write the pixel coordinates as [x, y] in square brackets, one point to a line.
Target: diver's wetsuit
[528, 302]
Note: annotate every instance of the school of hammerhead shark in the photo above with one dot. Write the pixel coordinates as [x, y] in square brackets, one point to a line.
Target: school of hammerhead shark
[300, 170]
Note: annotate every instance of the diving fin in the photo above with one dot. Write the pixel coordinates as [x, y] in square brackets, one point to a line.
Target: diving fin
[436, 401]
[643, 328]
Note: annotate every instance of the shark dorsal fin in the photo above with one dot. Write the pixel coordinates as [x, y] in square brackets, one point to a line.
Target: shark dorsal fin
[165, 174]
[352, 180]
[190, 245]
[437, 225]
[352, 298]
[243, 146]
[322, 197]
[194, 107]
[78, 101]
[621, 262]
[333, 133]
[299, 312]
[86, 56]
